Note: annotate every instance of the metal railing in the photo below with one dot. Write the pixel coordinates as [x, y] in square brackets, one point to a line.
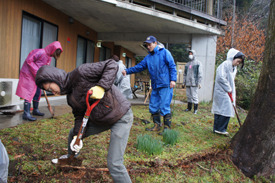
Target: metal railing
[202, 6]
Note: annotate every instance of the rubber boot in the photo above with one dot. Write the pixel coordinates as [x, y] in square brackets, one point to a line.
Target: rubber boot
[189, 107]
[26, 114]
[157, 123]
[167, 122]
[196, 108]
[35, 109]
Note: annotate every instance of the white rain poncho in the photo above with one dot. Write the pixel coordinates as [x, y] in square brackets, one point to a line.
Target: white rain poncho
[4, 163]
[123, 82]
[224, 83]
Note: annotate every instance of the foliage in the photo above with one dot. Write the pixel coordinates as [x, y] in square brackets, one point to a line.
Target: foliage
[179, 52]
[146, 143]
[247, 38]
[170, 136]
[246, 83]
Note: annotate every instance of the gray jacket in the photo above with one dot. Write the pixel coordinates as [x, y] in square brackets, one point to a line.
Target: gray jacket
[192, 75]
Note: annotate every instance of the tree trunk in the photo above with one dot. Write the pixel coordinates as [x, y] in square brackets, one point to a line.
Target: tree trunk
[254, 145]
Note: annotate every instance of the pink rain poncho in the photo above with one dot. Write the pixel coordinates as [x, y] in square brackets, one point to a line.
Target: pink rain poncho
[26, 87]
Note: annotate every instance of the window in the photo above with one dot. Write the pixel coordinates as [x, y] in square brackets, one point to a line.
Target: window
[85, 51]
[36, 33]
[105, 53]
[128, 62]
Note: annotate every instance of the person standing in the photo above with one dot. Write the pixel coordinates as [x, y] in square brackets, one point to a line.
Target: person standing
[192, 77]
[113, 112]
[122, 82]
[163, 75]
[26, 87]
[224, 91]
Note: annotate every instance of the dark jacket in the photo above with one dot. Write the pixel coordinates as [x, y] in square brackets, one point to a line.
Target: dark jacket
[76, 84]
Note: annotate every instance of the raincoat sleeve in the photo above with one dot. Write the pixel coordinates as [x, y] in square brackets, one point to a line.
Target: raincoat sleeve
[171, 66]
[200, 73]
[105, 70]
[222, 78]
[184, 74]
[31, 61]
[138, 68]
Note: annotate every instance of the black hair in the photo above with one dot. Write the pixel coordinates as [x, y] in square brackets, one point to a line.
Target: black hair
[241, 56]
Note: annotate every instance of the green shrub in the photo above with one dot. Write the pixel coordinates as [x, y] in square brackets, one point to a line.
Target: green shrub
[147, 144]
[246, 83]
[170, 137]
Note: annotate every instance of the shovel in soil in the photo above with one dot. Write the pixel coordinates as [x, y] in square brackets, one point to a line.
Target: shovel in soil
[71, 160]
[49, 106]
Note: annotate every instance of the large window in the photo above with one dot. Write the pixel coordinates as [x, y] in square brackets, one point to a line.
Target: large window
[85, 51]
[36, 33]
[105, 53]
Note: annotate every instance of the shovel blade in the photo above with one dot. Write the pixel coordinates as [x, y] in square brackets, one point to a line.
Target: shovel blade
[51, 110]
[71, 160]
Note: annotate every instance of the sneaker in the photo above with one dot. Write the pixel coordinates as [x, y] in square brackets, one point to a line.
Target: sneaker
[55, 161]
[221, 133]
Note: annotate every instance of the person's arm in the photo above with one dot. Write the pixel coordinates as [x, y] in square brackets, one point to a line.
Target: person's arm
[222, 77]
[102, 73]
[200, 72]
[31, 60]
[137, 68]
[171, 66]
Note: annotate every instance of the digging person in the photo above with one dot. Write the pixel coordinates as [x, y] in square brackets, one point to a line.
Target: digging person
[112, 112]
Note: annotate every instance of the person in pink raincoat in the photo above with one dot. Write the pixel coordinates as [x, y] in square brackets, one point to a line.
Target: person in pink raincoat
[26, 87]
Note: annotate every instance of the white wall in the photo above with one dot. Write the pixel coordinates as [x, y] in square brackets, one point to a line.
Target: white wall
[205, 47]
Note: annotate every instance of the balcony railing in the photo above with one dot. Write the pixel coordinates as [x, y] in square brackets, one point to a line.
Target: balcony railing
[202, 6]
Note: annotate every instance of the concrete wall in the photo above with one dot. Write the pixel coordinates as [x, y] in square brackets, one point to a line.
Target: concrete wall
[205, 47]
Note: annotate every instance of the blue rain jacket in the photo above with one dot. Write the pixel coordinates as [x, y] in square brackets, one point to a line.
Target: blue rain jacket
[161, 66]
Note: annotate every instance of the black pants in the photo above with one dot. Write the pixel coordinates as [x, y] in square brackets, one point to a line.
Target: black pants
[220, 123]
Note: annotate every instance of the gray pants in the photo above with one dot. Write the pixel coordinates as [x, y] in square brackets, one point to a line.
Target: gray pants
[118, 141]
[192, 94]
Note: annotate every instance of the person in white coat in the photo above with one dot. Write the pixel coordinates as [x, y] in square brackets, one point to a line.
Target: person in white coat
[192, 78]
[122, 82]
[224, 91]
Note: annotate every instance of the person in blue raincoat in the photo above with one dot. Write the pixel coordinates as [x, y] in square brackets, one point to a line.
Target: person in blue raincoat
[163, 75]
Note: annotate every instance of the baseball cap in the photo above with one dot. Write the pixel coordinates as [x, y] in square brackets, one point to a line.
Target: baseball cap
[150, 39]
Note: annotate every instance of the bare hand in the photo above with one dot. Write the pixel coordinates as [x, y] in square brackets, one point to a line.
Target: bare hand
[172, 84]
[124, 72]
[183, 86]
[199, 86]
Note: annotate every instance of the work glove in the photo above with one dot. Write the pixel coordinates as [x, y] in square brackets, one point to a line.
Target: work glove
[98, 92]
[230, 96]
[183, 86]
[74, 147]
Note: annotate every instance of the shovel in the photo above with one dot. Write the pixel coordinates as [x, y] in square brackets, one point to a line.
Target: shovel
[49, 106]
[236, 112]
[71, 160]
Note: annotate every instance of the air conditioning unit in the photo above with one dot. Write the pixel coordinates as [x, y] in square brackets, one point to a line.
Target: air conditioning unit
[7, 93]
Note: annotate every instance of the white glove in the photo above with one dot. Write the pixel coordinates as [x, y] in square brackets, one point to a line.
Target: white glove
[199, 86]
[75, 147]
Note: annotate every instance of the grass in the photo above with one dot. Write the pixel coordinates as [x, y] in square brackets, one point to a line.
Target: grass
[198, 156]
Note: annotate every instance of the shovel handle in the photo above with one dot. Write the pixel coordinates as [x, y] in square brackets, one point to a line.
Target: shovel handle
[86, 116]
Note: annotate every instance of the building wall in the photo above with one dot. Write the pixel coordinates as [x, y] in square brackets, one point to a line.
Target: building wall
[205, 47]
[11, 12]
